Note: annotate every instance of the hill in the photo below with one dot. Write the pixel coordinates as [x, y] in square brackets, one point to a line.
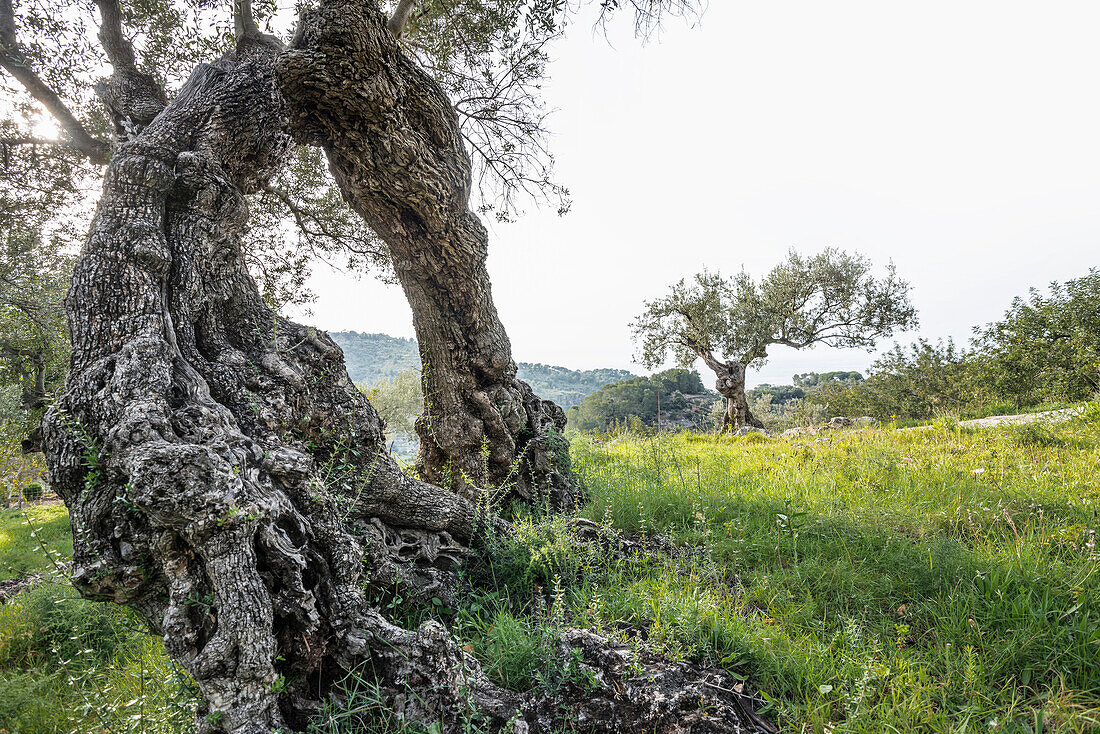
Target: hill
[564, 386]
[675, 397]
[374, 357]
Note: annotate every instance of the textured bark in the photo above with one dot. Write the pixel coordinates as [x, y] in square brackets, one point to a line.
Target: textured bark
[198, 432]
[226, 479]
[393, 142]
[730, 384]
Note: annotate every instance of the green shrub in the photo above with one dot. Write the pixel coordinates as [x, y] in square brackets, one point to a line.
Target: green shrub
[29, 703]
[72, 665]
[33, 491]
[51, 622]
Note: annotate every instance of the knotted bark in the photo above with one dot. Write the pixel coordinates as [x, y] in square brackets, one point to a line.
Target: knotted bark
[198, 435]
[226, 479]
[393, 142]
[730, 384]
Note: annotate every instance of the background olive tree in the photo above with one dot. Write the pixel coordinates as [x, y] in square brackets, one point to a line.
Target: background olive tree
[730, 323]
[224, 477]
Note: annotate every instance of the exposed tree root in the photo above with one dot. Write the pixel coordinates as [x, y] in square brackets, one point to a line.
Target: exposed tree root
[226, 479]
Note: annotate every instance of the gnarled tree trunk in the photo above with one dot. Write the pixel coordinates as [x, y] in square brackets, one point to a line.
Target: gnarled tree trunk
[198, 434]
[730, 384]
[226, 479]
[393, 142]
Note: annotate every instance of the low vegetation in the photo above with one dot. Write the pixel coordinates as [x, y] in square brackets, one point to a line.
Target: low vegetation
[72, 666]
[940, 580]
[1044, 352]
[937, 580]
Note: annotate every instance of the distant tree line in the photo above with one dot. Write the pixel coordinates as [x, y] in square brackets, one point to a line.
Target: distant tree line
[564, 386]
[785, 406]
[374, 358]
[1045, 350]
[677, 396]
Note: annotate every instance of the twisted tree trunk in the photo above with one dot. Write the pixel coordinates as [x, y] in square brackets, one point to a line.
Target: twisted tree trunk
[226, 479]
[198, 434]
[393, 142]
[730, 384]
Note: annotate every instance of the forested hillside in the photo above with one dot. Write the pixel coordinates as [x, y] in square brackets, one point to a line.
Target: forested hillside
[375, 357]
[564, 386]
[674, 397]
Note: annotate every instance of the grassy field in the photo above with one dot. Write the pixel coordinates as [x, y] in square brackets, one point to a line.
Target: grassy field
[30, 537]
[874, 581]
[939, 580]
[70, 665]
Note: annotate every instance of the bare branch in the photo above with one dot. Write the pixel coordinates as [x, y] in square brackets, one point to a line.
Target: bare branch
[709, 359]
[26, 140]
[244, 22]
[649, 15]
[119, 50]
[302, 217]
[132, 97]
[401, 15]
[15, 63]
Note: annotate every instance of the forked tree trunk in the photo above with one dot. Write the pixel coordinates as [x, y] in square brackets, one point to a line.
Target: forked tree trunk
[393, 142]
[199, 436]
[226, 479]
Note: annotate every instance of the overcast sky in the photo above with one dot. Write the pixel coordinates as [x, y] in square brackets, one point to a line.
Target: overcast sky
[960, 139]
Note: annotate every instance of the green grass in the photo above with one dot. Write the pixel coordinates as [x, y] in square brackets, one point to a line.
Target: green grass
[873, 581]
[941, 580]
[71, 665]
[24, 534]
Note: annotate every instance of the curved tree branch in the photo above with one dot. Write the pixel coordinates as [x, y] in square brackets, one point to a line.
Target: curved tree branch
[132, 96]
[400, 16]
[119, 50]
[15, 63]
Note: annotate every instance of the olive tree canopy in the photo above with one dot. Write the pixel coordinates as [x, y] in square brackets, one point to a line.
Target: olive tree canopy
[831, 298]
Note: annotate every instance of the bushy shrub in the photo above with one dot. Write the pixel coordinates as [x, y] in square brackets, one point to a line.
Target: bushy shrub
[641, 399]
[33, 491]
[51, 621]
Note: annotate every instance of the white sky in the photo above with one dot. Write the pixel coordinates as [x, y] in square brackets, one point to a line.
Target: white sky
[961, 139]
